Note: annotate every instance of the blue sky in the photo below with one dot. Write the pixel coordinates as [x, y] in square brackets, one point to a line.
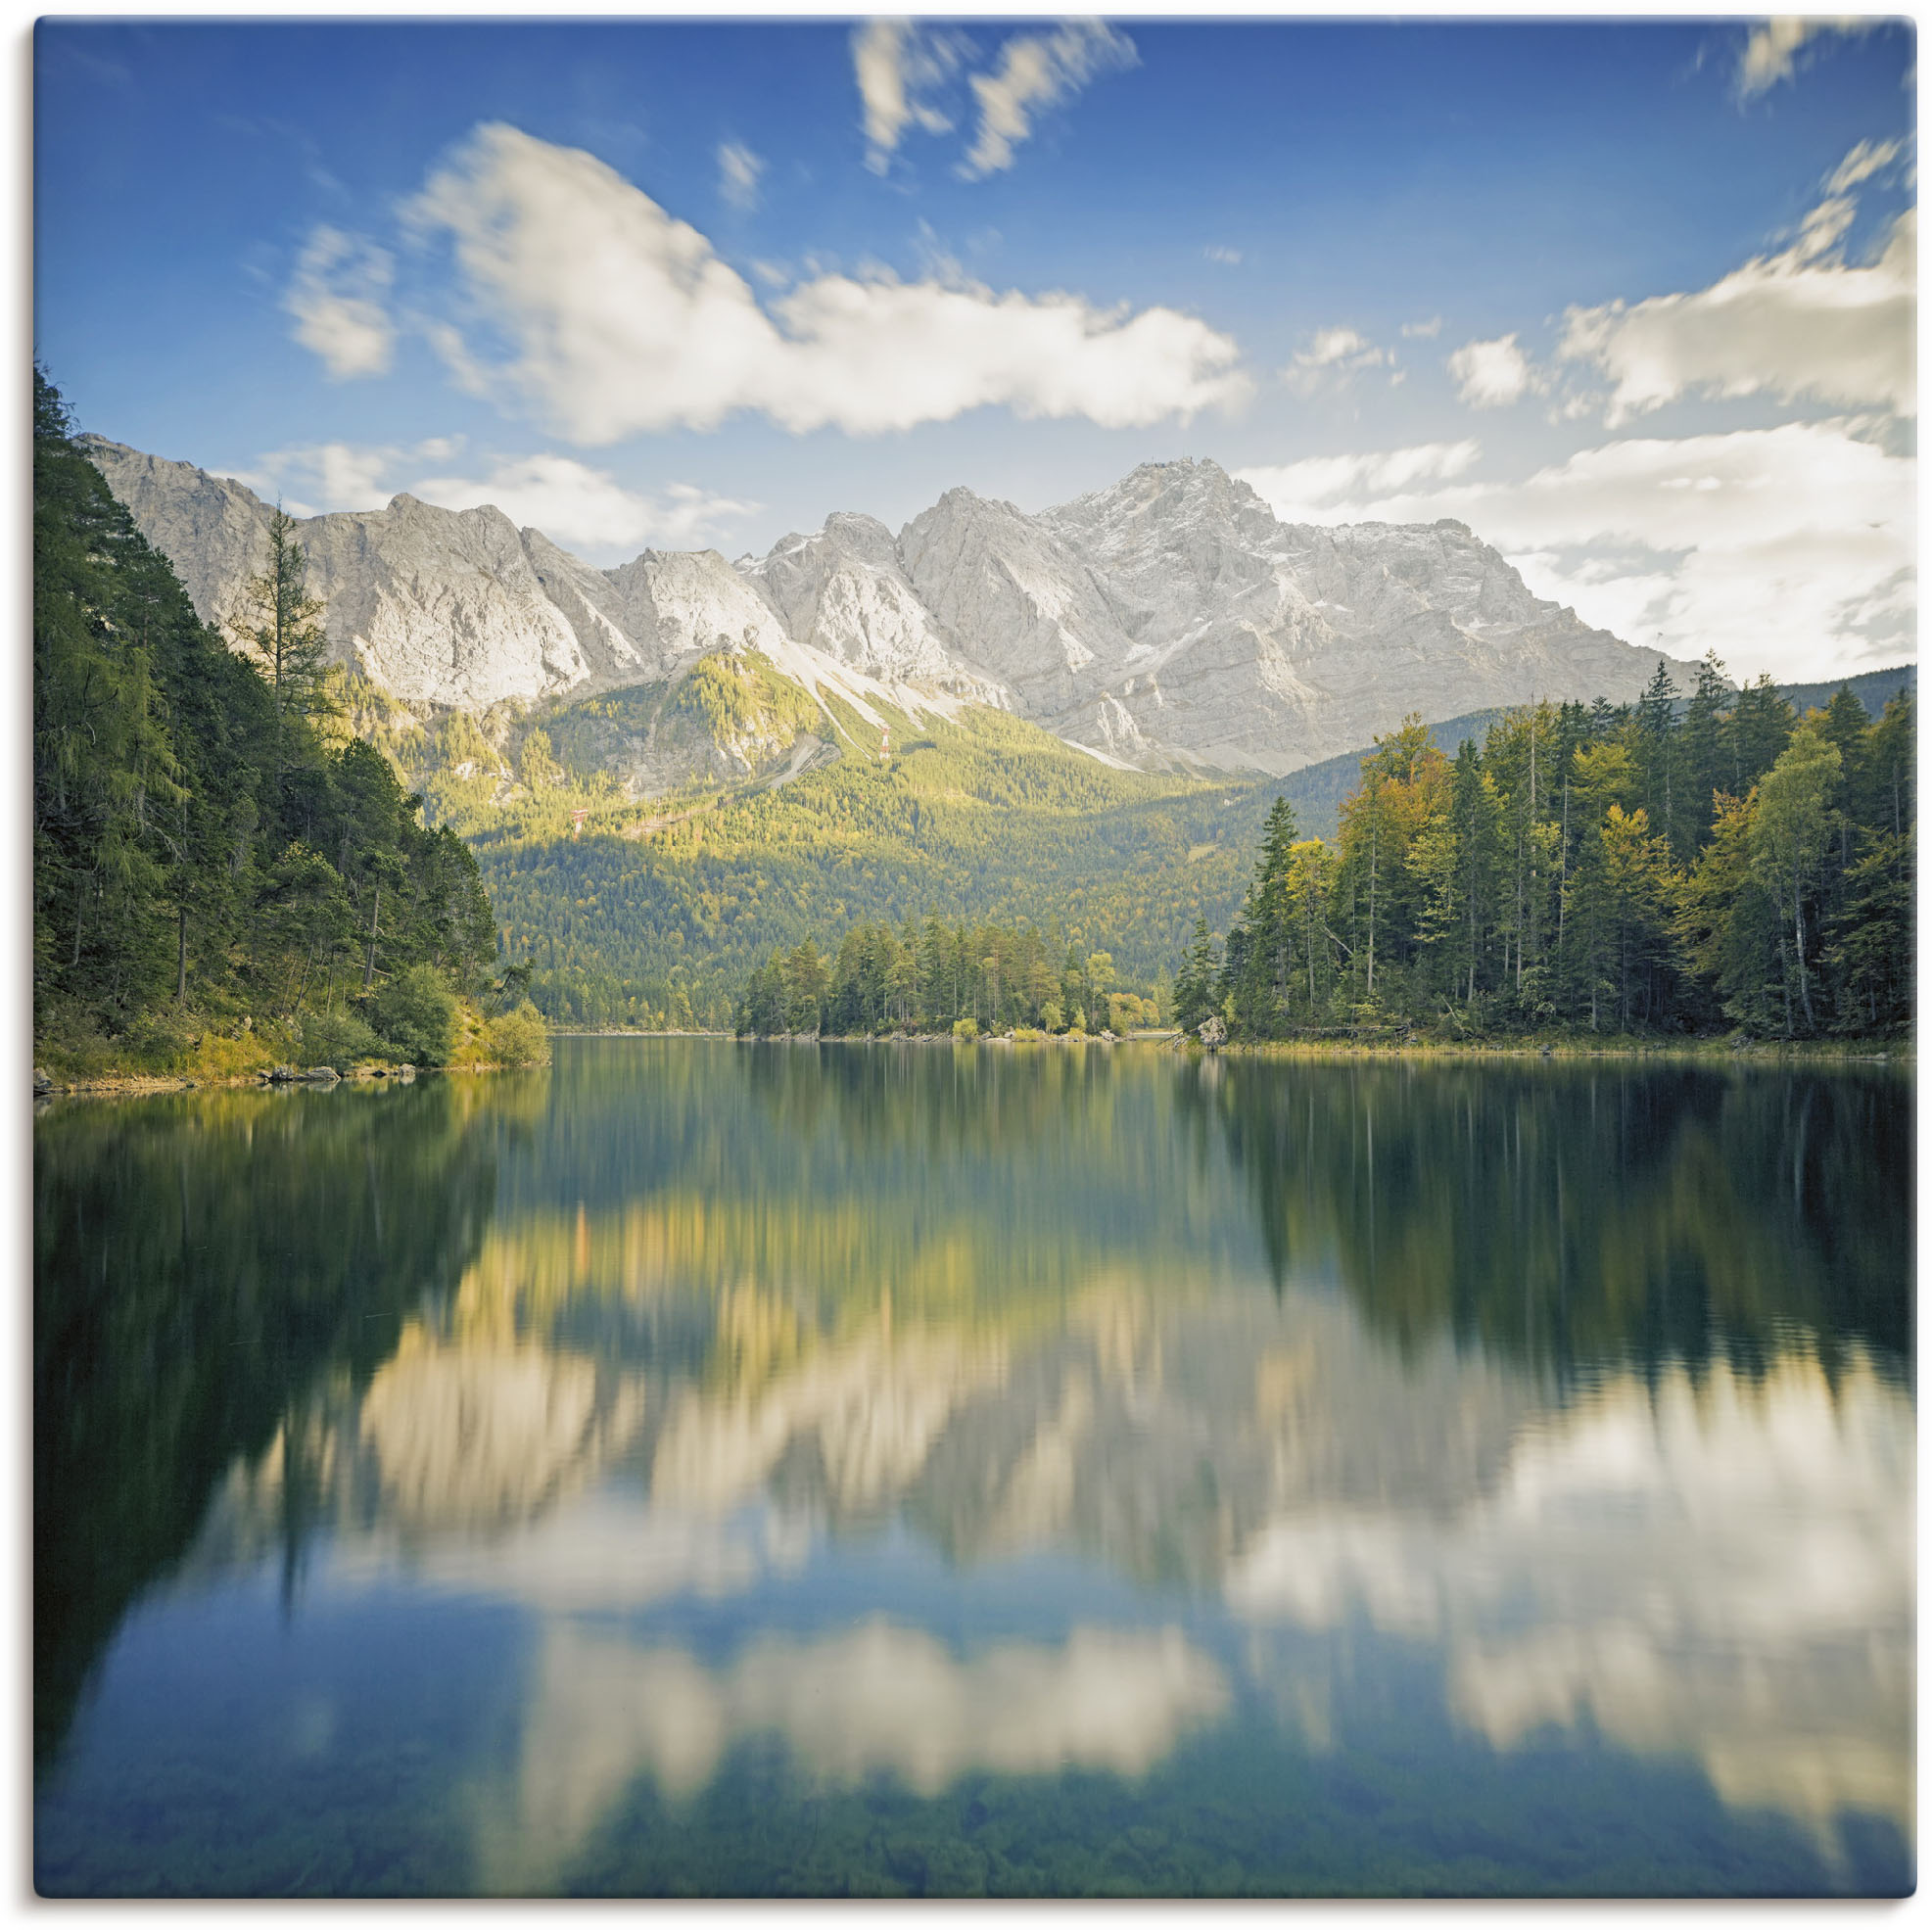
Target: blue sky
[1635, 300]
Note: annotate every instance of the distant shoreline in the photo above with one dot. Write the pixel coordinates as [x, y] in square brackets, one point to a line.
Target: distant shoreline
[1723, 1047]
[1713, 1050]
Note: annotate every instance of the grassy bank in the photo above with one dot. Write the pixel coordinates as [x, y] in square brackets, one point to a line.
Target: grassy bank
[171, 1051]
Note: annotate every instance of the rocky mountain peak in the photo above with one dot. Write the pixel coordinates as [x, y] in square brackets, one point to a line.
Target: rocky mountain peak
[1169, 618]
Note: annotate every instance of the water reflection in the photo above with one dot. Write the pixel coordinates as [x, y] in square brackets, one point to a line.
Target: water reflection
[1572, 1215]
[455, 1438]
[1723, 1570]
[878, 1698]
[201, 1263]
[922, 1415]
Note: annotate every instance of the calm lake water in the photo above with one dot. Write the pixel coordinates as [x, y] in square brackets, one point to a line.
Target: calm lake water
[729, 1470]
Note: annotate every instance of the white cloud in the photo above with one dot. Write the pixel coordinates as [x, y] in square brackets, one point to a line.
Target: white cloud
[1324, 489]
[587, 509]
[1867, 158]
[738, 170]
[1229, 257]
[1491, 374]
[1771, 53]
[1790, 549]
[1333, 355]
[1425, 331]
[338, 297]
[623, 319]
[571, 502]
[315, 477]
[1035, 72]
[1801, 323]
[895, 64]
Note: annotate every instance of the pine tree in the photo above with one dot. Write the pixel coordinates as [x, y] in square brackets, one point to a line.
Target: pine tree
[1792, 827]
[1656, 747]
[1701, 758]
[278, 622]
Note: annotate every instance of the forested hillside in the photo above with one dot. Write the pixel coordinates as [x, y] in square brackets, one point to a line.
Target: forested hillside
[655, 913]
[1318, 791]
[658, 912]
[1660, 867]
[222, 875]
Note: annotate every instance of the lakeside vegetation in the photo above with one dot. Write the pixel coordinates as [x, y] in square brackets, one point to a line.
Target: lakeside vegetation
[243, 859]
[932, 976]
[658, 912]
[1654, 871]
[224, 878]
[655, 911]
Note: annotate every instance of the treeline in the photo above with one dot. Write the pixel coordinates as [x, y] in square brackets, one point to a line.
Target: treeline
[985, 816]
[210, 847]
[1662, 867]
[931, 976]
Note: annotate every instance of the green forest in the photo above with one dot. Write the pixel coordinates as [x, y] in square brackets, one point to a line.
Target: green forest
[659, 911]
[242, 857]
[932, 976]
[656, 912]
[223, 875]
[1667, 867]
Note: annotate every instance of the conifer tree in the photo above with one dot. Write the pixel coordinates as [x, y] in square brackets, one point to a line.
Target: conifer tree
[280, 624]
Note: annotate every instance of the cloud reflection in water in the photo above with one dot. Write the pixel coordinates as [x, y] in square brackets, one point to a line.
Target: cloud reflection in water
[1723, 1571]
[880, 1697]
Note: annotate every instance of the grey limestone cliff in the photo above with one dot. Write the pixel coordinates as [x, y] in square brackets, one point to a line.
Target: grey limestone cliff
[1169, 620]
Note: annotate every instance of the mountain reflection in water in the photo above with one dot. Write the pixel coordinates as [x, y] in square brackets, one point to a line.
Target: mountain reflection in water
[938, 1417]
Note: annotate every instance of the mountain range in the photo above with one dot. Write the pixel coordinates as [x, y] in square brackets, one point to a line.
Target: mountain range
[1169, 622]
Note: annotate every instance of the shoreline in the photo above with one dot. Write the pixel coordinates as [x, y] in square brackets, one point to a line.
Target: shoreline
[1713, 1050]
[1879, 1051]
[1720, 1047]
[141, 1085]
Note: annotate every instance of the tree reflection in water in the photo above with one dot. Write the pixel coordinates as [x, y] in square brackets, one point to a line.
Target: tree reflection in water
[1589, 1386]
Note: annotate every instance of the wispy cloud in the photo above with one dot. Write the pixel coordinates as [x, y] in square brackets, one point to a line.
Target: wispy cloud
[1331, 488]
[621, 319]
[1424, 331]
[1803, 322]
[1867, 158]
[738, 170]
[570, 501]
[587, 509]
[1332, 355]
[898, 64]
[312, 478]
[339, 299]
[1771, 49]
[904, 68]
[1035, 72]
[1229, 257]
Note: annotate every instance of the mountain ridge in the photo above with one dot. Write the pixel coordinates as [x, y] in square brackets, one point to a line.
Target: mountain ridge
[1168, 621]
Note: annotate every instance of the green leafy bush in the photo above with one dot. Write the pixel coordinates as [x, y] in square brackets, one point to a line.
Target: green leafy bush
[518, 1038]
[337, 1039]
[417, 1012]
[966, 1030]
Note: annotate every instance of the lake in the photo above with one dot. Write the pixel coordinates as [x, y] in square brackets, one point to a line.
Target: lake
[725, 1469]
